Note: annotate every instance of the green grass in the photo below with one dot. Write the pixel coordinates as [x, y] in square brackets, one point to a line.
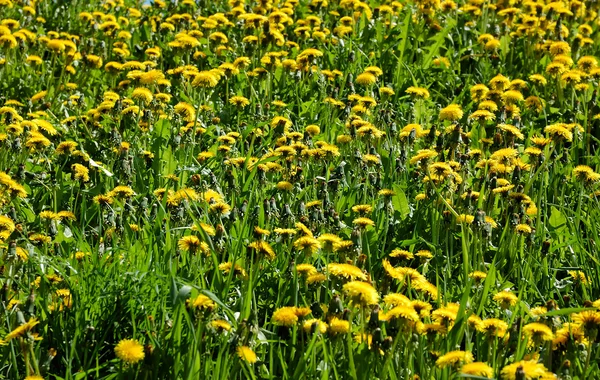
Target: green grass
[484, 212]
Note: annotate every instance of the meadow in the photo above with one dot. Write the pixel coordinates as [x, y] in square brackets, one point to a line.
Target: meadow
[299, 189]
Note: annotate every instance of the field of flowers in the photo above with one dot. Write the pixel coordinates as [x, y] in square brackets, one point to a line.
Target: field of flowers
[299, 189]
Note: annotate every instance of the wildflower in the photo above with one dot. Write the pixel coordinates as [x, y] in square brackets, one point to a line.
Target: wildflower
[246, 354]
[239, 101]
[418, 92]
[338, 326]
[238, 270]
[315, 324]
[315, 278]
[220, 208]
[121, 192]
[348, 271]
[80, 172]
[444, 316]
[285, 316]
[530, 368]
[220, 325]
[482, 115]
[506, 299]
[478, 92]
[423, 155]
[499, 82]
[512, 96]
[192, 244]
[478, 276]
[493, 327]
[406, 255]
[366, 79]
[22, 329]
[453, 112]
[205, 79]
[579, 277]
[306, 269]
[361, 293]
[477, 369]
[129, 351]
[363, 222]
[590, 320]
[142, 94]
[263, 248]
[454, 358]
[538, 332]
[403, 313]
[523, 229]
[307, 244]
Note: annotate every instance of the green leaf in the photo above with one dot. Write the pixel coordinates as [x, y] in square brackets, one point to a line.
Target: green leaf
[568, 311]
[438, 41]
[400, 202]
[557, 219]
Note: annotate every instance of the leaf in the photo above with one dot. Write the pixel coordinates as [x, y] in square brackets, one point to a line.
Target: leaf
[400, 202]
[404, 36]
[438, 41]
[68, 233]
[568, 311]
[557, 219]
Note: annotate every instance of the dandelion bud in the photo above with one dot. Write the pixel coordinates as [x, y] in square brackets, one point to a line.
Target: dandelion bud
[4, 293]
[546, 246]
[219, 232]
[387, 343]
[30, 305]
[316, 309]
[551, 305]
[314, 326]
[346, 315]
[12, 252]
[53, 231]
[377, 337]
[20, 318]
[520, 373]
[374, 320]
[154, 211]
[335, 305]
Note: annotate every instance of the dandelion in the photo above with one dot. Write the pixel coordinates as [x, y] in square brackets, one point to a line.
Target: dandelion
[130, 351]
[366, 79]
[348, 271]
[205, 79]
[246, 354]
[418, 92]
[538, 332]
[493, 327]
[22, 329]
[220, 325]
[338, 326]
[239, 101]
[361, 293]
[363, 222]
[454, 358]
[506, 299]
[263, 248]
[308, 244]
[530, 369]
[453, 112]
[142, 94]
[477, 369]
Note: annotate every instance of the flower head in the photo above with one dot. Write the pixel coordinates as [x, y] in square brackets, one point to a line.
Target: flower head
[130, 351]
